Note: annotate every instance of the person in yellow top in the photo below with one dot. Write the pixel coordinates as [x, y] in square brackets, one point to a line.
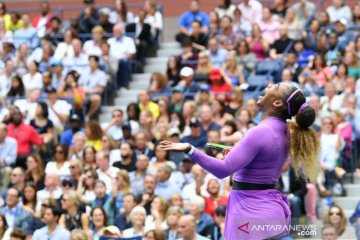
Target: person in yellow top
[146, 104]
[5, 16]
[16, 22]
[94, 134]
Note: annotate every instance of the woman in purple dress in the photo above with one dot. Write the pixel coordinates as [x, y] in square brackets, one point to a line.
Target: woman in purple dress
[256, 210]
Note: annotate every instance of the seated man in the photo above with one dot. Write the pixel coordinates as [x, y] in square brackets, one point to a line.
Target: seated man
[94, 82]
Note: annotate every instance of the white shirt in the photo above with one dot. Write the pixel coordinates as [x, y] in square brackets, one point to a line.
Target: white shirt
[338, 13]
[29, 108]
[8, 150]
[156, 21]
[5, 84]
[45, 193]
[63, 172]
[61, 107]
[120, 48]
[77, 63]
[91, 49]
[107, 177]
[92, 80]
[32, 82]
[63, 50]
[251, 12]
[328, 152]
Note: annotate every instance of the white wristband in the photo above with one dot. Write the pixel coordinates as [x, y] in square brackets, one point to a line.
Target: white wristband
[191, 152]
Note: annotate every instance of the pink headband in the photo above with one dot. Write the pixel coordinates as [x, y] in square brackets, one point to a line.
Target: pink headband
[303, 106]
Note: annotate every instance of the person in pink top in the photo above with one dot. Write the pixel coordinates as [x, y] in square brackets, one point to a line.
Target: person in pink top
[269, 27]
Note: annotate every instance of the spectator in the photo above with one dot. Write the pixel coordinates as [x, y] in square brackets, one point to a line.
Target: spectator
[35, 171]
[220, 85]
[204, 64]
[198, 39]
[137, 177]
[158, 85]
[356, 14]
[17, 179]
[245, 57]
[196, 137]
[241, 27]
[165, 187]
[258, 45]
[120, 187]
[123, 49]
[6, 77]
[6, 35]
[320, 71]
[16, 22]
[52, 188]
[177, 99]
[293, 24]
[121, 13]
[353, 64]
[73, 218]
[15, 216]
[27, 34]
[99, 221]
[56, 31]
[215, 230]
[5, 17]
[345, 37]
[186, 19]
[227, 37]
[282, 45]
[328, 232]
[254, 110]
[142, 35]
[154, 18]
[187, 228]
[93, 47]
[77, 61]
[137, 216]
[58, 109]
[304, 10]
[94, 82]
[233, 71]
[61, 164]
[214, 23]
[225, 8]
[24, 141]
[105, 172]
[9, 147]
[104, 200]
[89, 17]
[75, 126]
[235, 103]
[217, 54]
[295, 189]
[173, 214]
[42, 22]
[336, 218]
[33, 79]
[279, 10]
[122, 218]
[339, 10]
[269, 27]
[104, 15]
[65, 49]
[17, 234]
[157, 217]
[251, 10]
[4, 228]
[173, 70]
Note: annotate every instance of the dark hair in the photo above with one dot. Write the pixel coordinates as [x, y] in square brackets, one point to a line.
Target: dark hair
[26, 201]
[85, 148]
[18, 233]
[318, 56]
[197, 21]
[229, 18]
[36, 63]
[227, 4]
[55, 18]
[130, 195]
[20, 91]
[231, 124]
[124, 10]
[94, 57]
[119, 111]
[303, 141]
[74, 74]
[105, 223]
[345, 66]
[44, 109]
[3, 6]
[137, 111]
[64, 148]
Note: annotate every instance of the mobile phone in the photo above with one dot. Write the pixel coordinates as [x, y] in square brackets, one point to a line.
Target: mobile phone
[216, 146]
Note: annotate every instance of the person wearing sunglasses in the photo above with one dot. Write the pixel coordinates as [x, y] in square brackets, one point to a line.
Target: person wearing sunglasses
[336, 218]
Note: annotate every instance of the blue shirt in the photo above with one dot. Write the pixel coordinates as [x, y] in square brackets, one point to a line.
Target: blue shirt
[197, 142]
[188, 17]
[59, 234]
[67, 136]
[28, 36]
[217, 58]
[166, 189]
[205, 220]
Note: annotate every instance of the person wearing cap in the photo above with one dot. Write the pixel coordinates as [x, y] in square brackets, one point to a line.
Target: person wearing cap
[75, 126]
[339, 10]
[110, 232]
[345, 37]
[93, 46]
[89, 17]
[177, 99]
[257, 160]
[219, 84]
[204, 96]
[104, 15]
[187, 81]
[58, 74]
[197, 137]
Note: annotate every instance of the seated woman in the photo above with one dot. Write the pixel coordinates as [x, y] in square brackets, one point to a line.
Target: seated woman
[137, 217]
[94, 134]
[158, 86]
[204, 64]
[233, 70]
[220, 85]
[320, 71]
[336, 217]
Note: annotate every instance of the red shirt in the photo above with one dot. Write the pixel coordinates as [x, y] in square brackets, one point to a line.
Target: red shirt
[211, 204]
[220, 89]
[25, 136]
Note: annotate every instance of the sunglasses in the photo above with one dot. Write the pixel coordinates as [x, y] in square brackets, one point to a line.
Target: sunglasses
[335, 213]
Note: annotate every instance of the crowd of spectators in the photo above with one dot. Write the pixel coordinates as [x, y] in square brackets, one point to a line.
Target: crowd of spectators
[65, 175]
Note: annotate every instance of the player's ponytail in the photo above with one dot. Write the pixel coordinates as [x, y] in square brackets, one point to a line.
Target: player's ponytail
[303, 141]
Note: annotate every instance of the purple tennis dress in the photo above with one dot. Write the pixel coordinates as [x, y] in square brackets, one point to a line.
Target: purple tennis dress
[257, 158]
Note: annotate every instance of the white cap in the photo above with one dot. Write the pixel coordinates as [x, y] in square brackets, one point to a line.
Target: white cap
[173, 131]
[105, 11]
[343, 21]
[186, 72]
